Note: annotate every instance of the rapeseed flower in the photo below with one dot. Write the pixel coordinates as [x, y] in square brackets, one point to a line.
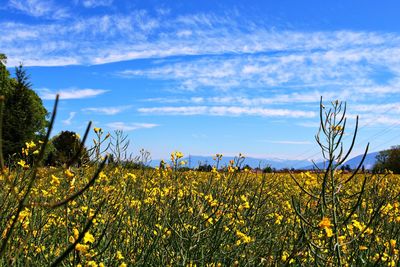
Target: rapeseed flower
[82, 248]
[88, 238]
[325, 224]
[120, 256]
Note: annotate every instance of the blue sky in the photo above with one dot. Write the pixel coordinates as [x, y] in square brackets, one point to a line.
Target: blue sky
[207, 77]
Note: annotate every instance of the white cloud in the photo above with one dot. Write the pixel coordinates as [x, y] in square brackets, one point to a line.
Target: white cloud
[187, 110]
[96, 3]
[378, 120]
[391, 108]
[130, 126]
[261, 66]
[68, 121]
[305, 97]
[97, 39]
[227, 111]
[47, 94]
[107, 110]
[39, 8]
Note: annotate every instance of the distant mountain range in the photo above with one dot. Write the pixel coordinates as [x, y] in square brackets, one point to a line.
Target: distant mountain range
[195, 161]
[368, 163]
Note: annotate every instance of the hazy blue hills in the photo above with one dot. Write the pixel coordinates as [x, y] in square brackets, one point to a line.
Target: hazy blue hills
[195, 161]
[368, 163]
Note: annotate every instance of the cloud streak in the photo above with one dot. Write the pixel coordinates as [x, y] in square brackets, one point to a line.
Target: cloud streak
[97, 39]
[227, 111]
[39, 8]
[65, 94]
[130, 126]
[107, 110]
[96, 3]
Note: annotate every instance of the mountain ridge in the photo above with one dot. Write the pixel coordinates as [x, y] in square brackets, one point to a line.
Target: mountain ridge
[195, 160]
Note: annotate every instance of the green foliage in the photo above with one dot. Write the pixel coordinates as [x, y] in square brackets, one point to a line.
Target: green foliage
[388, 160]
[268, 169]
[64, 147]
[204, 167]
[24, 116]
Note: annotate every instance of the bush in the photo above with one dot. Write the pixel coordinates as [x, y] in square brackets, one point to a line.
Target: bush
[63, 148]
[388, 160]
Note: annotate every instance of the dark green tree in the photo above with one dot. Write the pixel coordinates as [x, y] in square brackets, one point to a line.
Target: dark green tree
[388, 160]
[64, 147]
[24, 116]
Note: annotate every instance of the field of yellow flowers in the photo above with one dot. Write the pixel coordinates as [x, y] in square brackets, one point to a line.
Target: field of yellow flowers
[168, 217]
[99, 214]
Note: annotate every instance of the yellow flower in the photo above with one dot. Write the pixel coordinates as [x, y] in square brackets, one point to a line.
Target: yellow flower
[76, 233]
[357, 225]
[23, 164]
[123, 264]
[119, 255]
[325, 222]
[328, 232]
[69, 174]
[54, 180]
[29, 145]
[362, 248]
[82, 248]
[337, 128]
[24, 214]
[71, 239]
[243, 237]
[326, 225]
[88, 238]
[131, 176]
[392, 243]
[92, 264]
[369, 231]
[97, 130]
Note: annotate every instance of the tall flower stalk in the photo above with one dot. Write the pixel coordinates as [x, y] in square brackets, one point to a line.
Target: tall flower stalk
[326, 203]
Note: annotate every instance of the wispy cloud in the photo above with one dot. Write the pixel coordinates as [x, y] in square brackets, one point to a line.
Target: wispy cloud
[315, 72]
[278, 98]
[107, 110]
[68, 121]
[96, 3]
[391, 108]
[227, 111]
[47, 94]
[262, 66]
[109, 38]
[130, 126]
[39, 8]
